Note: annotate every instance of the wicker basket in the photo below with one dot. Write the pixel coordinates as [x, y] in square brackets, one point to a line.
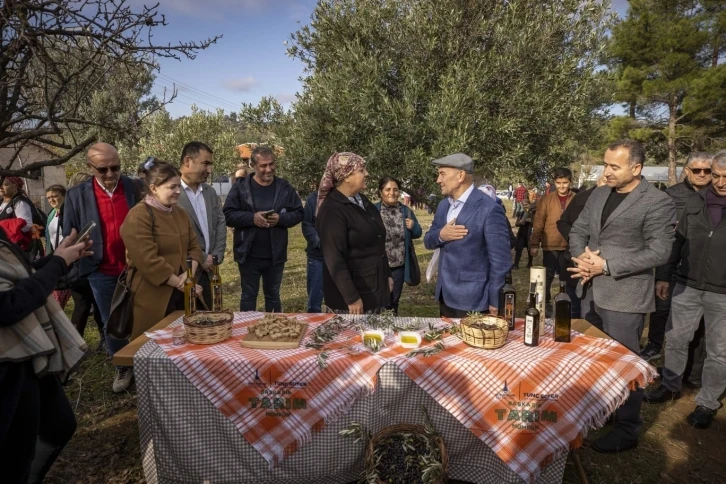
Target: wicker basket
[473, 334]
[407, 429]
[208, 334]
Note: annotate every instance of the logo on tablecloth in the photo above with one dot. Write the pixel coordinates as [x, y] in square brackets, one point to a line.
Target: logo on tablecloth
[278, 397]
[526, 410]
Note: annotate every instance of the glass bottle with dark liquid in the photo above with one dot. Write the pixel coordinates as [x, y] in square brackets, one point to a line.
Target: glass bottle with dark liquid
[508, 301]
[531, 318]
[563, 315]
[216, 284]
[190, 302]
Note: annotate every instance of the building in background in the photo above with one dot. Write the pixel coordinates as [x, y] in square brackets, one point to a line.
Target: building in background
[46, 176]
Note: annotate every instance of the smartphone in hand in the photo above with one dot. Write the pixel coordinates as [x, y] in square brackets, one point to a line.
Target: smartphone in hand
[85, 233]
[268, 213]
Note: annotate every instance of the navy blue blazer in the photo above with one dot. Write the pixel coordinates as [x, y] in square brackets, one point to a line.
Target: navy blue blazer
[472, 270]
[80, 207]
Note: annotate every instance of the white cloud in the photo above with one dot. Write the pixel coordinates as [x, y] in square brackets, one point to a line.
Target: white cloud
[285, 97]
[216, 8]
[242, 84]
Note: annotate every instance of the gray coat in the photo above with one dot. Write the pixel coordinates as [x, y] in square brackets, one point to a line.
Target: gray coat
[215, 221]
[636, 238]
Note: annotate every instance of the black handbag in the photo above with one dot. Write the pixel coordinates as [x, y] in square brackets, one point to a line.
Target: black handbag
[121, 319]
[413, 268]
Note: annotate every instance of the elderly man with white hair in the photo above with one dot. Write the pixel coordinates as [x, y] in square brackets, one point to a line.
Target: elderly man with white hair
[698, 171]
[697, 261]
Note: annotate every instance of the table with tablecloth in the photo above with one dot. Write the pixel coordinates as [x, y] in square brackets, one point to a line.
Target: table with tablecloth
[201, 422]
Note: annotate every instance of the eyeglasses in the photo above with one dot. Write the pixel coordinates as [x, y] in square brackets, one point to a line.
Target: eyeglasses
[104, 169]
[698, 171]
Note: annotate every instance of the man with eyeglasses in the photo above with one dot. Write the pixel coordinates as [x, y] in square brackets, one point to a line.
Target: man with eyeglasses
[697, 261]
[698, 177]
[104, 199]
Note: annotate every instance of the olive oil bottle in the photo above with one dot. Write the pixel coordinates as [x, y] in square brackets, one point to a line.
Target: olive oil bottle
[216, 284]
[190, 301]
[531, 318]
[563, 315]
[508, 301]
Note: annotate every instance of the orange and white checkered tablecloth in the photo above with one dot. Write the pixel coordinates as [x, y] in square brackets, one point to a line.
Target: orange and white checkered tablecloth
[529, 405]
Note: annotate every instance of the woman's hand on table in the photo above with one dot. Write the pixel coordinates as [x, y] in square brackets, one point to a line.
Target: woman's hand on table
[409, 223]
[356, 307]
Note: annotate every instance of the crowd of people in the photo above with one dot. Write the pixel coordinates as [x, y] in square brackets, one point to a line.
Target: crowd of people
[624, 248]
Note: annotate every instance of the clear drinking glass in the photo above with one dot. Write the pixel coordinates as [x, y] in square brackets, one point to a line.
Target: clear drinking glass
[178, 334]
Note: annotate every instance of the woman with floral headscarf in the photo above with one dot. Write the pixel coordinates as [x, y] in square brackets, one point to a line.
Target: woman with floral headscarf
[356, 276]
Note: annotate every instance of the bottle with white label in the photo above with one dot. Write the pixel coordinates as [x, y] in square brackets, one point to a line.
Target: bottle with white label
[531, 319]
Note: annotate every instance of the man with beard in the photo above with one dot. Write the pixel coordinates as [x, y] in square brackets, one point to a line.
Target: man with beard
[624, 231]
[204, 208]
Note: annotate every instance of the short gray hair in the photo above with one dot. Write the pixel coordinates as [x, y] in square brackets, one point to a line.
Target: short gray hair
[699, 156]
[719, 159]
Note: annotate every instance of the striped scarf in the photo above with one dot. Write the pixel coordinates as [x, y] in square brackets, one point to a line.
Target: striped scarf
[45, 336]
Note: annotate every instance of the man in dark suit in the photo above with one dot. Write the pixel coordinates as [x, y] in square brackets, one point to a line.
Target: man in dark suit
[624, 231]
[204, 208]
[471, 231]
[105, 198]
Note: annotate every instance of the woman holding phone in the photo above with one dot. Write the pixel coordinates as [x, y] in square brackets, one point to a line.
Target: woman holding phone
[159, 237]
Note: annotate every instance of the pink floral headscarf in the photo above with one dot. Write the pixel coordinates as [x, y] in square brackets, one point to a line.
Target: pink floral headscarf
[339, 167]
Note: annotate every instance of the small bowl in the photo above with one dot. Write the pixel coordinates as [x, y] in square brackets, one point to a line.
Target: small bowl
[409, 339]
[374, 334]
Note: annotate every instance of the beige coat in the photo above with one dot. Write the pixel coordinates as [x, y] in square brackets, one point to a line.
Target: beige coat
[155, 257]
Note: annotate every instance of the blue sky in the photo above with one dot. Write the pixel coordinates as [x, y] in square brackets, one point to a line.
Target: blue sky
[248, 62]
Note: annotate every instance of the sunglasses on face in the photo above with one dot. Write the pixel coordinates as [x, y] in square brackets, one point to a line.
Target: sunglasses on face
[104, 169]
[698, 171]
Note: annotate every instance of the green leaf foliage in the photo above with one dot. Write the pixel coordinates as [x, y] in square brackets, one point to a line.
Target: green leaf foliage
[404, 82]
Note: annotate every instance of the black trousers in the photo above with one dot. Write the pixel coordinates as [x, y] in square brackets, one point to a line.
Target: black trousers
[551, 260]
[203, 279]
[83, 301]
[398, 274]
[250, 274]
[626, 329]
[38, 423]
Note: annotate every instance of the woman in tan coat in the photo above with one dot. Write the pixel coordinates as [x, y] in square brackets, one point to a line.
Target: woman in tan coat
[159, 237]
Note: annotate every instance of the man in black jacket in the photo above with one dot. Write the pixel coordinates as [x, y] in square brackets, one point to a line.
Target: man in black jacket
[261, 208]
[698, 170]
[698, 263]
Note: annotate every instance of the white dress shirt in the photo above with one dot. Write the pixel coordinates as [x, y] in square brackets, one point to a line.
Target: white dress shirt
[200, 209]
[456, 205]
[108, 192]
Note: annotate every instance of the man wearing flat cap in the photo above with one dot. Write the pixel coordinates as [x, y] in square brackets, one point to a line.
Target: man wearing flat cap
[471, 231]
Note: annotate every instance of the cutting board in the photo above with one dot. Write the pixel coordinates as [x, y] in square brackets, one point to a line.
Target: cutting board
[251, 340]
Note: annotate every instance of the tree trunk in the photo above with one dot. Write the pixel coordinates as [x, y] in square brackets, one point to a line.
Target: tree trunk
[632, 109]
[716, 51]
[672, 107]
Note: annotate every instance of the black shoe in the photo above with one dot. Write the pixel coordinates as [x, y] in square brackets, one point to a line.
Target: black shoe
[661, 394]
[650, 352]
[701, 417]
[613, 443]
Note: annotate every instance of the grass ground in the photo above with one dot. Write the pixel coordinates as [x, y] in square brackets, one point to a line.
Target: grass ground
[105, 448]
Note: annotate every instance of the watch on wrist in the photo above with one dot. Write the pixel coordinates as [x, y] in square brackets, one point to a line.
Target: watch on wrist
[605, 270]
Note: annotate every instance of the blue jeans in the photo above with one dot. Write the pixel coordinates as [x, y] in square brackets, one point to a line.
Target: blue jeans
[103, 287]
[250, 273]
[315, 285]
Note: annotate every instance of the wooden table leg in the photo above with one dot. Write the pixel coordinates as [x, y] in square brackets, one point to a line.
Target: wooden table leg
[578, 465]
